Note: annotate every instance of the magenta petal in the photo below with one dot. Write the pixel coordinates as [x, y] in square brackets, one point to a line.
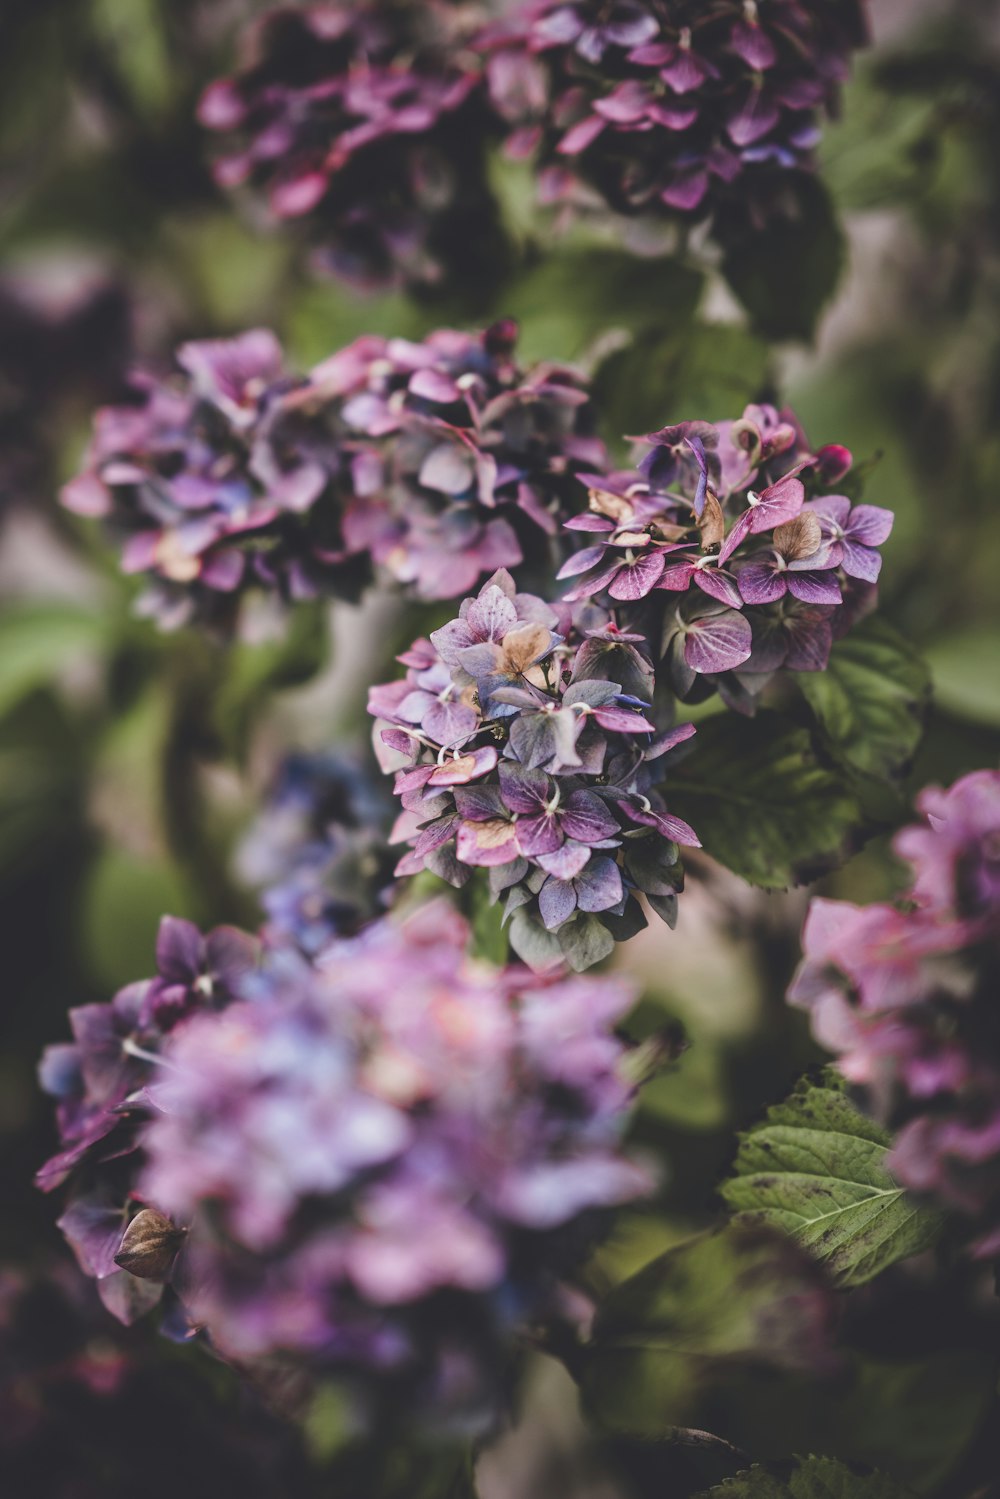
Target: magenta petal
[761, 583]
[434, 385]
[589, 522]
[580, 136]
[636, 579]
[833, 507]
[677, 577]
[622, 720]
[718, 585]
[178, 949]
[676, 829]
[780, 503]
[718, 643]
[581, 561]
[539, 834]
[686, 191]
[815, 588]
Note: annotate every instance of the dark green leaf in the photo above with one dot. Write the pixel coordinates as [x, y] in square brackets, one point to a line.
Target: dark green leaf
[785, 275]
[812, 1478]
[669, 1337]
[761, 803]
[584, 941]
[872, 699]
[815, 1167]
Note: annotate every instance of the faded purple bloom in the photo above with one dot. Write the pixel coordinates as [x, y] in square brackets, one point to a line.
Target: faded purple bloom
[526, 751]
[346, 1139]
[435, 462]
[670, 107]
[906, 997]
[687, 542]
[367, 123]
[317, 850]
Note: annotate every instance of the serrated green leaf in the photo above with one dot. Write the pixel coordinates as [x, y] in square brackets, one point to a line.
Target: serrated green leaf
[872, 700]
[762, 804]
[815, 1167]
[670, 1337]
[812, 1478]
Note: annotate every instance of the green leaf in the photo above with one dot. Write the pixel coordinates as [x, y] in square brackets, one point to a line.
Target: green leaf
[669, 1337]
[584, 941]
[41, 643]
[534, 945]
[567, 301]
[812, 1478]
[761, 803]
[964, 670]
[254, 671]
[872, 700]
[785, 275]
[815, 1167]
[707, 370]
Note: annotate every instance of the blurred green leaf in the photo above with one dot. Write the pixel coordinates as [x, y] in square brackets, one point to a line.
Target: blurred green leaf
[812, 1478]
[785, 275]
[692, 1092]
[761, 803]
[568, 301]
[871, 702]
[123, 900]
[964, 672]
[815, 1167]
[253, 672]
[667, 1337]
[41, 643]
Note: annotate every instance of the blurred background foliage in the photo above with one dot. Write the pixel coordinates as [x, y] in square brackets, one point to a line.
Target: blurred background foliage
[130, 761]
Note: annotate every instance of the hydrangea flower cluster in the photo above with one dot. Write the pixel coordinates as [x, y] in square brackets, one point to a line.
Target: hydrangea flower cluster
[436, 461]
[670, 107]
[373, 1164]
[100, 1082]
[367, 122]
[906, 997]
[521, 744]
[317, 851]
[714, 549]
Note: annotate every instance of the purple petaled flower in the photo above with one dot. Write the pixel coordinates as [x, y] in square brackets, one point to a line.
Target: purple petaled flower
[687, 542]
[526, 749]
[670, 108]
[344, 1140]
[317, 851]
[906, 997]
[100, 1080]
[436, 462]
[367, 123]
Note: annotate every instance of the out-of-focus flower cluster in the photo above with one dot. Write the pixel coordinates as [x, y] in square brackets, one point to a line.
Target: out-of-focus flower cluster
[675, 107]
[521, 744]
[906, 996]
[317, 851]
[714, 549]
[436, 462]
[374, 1164]
[368, 123]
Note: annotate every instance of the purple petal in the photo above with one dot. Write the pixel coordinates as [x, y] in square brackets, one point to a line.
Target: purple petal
[486, 843]
[861, 561]
[94, 1233]
[580, 136]
[718, 585]
[179, 950]
[622, 720]
[581, 561]
[556, 902]
[523, 790]
[833, 507]
[448, 722]
[718, 643]
[810, 639]
[870, 525]
[599, 886]
[761, 583]
[566, 862]
[589, 522]
[448, 469]
[433, 385]
[779, 503]
[814, 588]
[540, 834]
[586, 818]
[491, 615]
[636, 579]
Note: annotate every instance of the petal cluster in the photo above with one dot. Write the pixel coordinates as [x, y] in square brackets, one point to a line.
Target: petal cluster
[435, 462]
[370, 1165]
[714, 548]
[521, 743]
[316, 850]
[906, 997]
[670, 107]
[367, 123]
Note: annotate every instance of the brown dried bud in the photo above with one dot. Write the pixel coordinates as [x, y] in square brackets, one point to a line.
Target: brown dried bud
[712, 524]
[149, 1245]
[604, 502]
[798, 538]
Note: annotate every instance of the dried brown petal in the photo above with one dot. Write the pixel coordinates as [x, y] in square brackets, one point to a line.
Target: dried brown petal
[712, 524]
[603, 502]
[149, 1245]
[798, 538]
